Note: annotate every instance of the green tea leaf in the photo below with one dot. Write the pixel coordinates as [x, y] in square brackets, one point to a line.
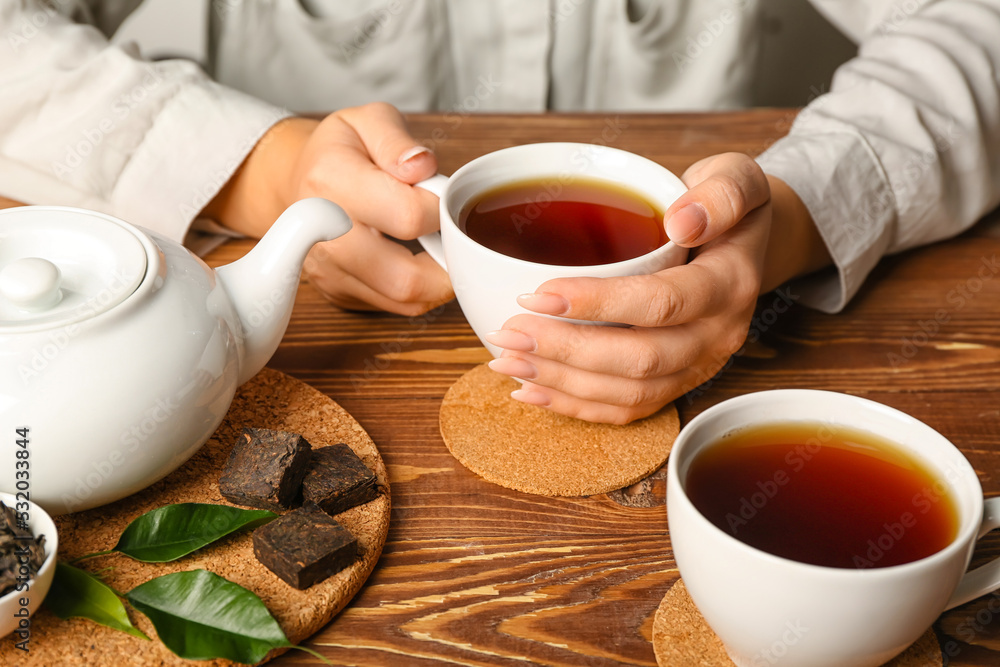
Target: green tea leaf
[170, 532]
[200, 615]
[76, 593]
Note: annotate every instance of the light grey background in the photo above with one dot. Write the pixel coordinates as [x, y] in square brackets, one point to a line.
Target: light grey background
[799, 53]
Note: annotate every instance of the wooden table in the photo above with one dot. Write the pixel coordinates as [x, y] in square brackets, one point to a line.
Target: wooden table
[474, 574]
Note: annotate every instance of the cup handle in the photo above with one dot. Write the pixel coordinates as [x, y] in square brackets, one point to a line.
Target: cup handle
[432, 242]
[986, 578]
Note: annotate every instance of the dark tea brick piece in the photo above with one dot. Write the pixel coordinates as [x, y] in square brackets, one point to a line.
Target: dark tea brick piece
[337, 479]
[304, 547]
[265, 469]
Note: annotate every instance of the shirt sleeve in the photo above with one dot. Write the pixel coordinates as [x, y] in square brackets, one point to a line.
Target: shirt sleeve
[85, 123]
[904, 149]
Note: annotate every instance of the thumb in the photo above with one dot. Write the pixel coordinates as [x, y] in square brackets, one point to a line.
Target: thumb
[723, 190]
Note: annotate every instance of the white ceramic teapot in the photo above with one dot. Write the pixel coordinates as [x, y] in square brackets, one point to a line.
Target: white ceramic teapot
[120, 351]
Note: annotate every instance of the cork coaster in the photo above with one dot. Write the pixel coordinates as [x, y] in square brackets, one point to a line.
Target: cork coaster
[682, 638]
[530, 449]
[270, 400]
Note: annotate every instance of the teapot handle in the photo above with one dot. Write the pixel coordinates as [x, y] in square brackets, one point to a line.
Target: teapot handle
[432, 242]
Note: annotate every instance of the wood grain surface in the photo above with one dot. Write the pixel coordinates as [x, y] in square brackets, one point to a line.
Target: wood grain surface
[474, 574]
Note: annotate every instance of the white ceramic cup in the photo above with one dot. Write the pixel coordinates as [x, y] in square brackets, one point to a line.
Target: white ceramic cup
[487, 283]
[770, 610]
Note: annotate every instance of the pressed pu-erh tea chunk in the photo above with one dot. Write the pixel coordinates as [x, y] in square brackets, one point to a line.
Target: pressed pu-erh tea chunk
[265, 469]
[337, 479]
[305, 546]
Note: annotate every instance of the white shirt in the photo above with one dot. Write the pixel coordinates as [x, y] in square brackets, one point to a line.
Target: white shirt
[903, 150]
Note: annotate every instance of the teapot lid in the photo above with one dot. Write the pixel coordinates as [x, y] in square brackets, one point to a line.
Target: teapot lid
[63, 265]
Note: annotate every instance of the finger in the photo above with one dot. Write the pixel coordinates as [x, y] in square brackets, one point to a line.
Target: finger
[711, 283]
[347, 292]
[341, 170]
[632, 353]
[371, 196]
[378, 272]
[673, 296]
[571, 406]
[383, 132]
[723, 189]
[389, 268]
[627, 391]
[583, 384]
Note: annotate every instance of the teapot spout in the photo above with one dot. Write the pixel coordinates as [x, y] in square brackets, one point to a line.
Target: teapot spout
[261, 286]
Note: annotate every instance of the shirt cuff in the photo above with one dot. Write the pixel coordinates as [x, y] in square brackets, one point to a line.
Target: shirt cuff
[841, 182]
[195, 145]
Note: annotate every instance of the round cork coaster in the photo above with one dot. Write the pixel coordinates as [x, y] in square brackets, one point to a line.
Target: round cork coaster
[530, 449]
[682, 638]
[270, 400]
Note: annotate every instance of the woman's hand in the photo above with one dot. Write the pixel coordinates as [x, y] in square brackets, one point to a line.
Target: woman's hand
[363, 159]
[685, 321]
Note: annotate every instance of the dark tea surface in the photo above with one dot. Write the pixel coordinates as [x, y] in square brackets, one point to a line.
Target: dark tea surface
[578, 222]
[823, 495]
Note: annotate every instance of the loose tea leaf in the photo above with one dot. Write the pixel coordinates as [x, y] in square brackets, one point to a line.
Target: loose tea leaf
[14, 537]
[170, 532]
[79, 594]
[200, 615]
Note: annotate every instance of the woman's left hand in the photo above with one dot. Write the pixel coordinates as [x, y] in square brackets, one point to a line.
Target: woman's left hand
[685, 322]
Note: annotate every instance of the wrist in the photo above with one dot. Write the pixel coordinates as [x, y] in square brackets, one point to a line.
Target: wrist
[795, 247]
[263, 186]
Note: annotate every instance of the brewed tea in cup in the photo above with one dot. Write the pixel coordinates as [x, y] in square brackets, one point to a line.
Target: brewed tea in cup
[580, 222]
[823, 494]
[517, 217]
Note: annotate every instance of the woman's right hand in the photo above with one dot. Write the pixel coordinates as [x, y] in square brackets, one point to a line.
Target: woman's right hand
[363, 159]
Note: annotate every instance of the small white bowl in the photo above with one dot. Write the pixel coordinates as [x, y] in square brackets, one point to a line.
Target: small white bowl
[40, 523]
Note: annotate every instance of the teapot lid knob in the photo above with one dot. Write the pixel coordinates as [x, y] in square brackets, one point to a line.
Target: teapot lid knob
[61, 265]
[31, 283]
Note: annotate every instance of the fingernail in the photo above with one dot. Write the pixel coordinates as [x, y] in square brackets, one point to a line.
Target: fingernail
[514, 367]
[531, 397]
[412, 153]
[687, 224]
[544, 302]
[512, 340]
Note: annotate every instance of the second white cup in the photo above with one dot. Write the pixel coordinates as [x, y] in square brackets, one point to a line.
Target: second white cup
[770, 610]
